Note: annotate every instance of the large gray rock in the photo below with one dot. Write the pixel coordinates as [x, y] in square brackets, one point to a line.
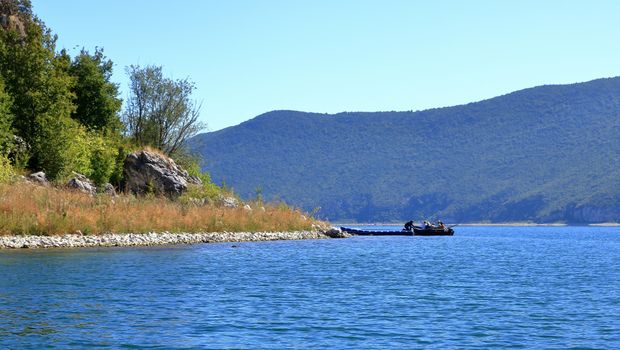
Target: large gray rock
[82, 183]
[334, 232]
[146, 171]
[39, 178]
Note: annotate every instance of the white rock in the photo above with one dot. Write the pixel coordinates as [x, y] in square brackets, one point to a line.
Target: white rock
[82, 184]
[38, 177]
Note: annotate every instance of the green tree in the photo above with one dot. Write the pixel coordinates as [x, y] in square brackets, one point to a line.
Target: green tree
[65, 148]
[103, 154]
[6, 170]
[6, 119]
[160, 111]
[37, 79]
[97, 101]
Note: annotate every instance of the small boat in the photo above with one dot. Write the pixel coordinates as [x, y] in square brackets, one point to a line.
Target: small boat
[359, 232]
[417, 231]
[433, 231]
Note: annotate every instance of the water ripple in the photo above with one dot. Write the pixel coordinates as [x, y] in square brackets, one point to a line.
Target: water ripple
[509, 288]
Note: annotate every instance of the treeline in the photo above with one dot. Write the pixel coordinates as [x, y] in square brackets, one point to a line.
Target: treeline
[544, 154]
[62, 114]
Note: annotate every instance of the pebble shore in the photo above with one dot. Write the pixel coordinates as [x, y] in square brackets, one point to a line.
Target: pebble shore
[155, 238]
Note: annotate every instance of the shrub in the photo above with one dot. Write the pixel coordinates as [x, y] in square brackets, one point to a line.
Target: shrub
[66, 147]
[53, 145]
[116, 176]
[103, 159]
[207, 190]
[191, 164]
[78, 152]
[187, 161]
[6, 170]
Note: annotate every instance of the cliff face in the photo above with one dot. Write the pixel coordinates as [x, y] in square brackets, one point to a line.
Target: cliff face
[13, 22]
[545, 154]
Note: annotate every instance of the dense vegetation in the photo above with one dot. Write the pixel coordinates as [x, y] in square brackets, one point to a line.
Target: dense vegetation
[544, 154]
[63, 115]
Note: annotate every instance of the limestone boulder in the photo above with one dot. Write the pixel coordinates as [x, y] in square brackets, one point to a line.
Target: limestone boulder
[82, 183]
[38, 178]
[146, 171]
[228, 202]
[334, 232]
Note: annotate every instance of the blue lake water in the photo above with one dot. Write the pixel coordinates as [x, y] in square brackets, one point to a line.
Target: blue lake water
[484, 288]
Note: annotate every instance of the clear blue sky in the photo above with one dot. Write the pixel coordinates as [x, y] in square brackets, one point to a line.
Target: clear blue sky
[250, 57]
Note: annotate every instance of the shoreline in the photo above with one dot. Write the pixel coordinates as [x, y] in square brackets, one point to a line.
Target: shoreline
[155, 239]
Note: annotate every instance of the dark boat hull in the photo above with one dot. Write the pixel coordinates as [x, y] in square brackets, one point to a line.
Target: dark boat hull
[415, 232]
[433, 232]
[357, 232]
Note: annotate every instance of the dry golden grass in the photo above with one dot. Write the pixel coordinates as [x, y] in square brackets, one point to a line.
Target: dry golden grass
[28, 209]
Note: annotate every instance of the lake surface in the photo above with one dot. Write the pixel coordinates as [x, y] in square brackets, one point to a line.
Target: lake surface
[485, 287]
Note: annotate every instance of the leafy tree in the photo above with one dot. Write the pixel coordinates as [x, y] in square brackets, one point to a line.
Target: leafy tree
[70, 147]
[98, 104]
[103, 154]
[65, 148]
[6, 119]
[37, 80]
[160, 111]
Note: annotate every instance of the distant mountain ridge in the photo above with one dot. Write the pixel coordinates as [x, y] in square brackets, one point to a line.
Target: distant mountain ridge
[544, 154]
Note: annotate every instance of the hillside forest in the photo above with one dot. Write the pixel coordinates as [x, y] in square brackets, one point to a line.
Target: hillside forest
[545, 154]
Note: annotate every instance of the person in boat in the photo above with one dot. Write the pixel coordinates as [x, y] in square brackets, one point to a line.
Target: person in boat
[427, 224]
[408, 225]
[441, 225]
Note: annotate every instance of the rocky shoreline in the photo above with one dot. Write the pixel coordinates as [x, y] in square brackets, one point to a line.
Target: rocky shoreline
[156, 238]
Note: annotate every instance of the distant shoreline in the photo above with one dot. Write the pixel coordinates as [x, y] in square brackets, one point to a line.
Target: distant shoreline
[153, 239]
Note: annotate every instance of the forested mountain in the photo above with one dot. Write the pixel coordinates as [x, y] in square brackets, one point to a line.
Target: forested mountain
[545, 154]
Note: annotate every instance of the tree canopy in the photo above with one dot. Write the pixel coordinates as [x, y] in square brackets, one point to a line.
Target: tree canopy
[97, 98]
[37, 80]
[6, 119]
[160, 111]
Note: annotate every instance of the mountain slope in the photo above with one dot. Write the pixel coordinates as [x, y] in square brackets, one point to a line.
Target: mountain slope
[549, 153]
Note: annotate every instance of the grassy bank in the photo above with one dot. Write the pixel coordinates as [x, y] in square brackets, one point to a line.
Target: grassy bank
[28, 209]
